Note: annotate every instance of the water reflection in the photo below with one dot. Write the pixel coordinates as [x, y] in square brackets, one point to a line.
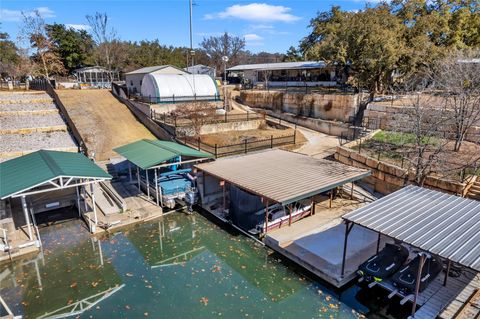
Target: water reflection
[179, 267]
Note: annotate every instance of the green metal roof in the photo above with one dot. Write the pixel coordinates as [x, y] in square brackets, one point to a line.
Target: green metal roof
[36, 168]
[149, 153]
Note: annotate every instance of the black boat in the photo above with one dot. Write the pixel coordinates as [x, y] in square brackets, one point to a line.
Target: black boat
[405, 279]
[384, 264]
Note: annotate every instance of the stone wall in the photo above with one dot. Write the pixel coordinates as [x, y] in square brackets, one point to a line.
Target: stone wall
[331, 107]
[387, 178]
[394, 117]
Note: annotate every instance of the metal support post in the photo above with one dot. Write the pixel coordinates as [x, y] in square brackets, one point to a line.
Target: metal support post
[417, 283]
[348, 228]
[27, 218]
[156, 187]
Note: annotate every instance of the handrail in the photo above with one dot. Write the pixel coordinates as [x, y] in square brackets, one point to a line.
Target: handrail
[114, 196]
[5, 240]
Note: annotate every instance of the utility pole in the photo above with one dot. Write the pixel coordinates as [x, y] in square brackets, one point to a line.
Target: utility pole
[192, 53]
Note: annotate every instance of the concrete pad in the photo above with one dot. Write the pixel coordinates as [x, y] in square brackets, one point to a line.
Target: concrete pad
[329, 244]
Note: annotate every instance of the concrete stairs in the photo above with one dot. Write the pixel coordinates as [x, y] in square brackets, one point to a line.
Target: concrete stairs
[474, 191]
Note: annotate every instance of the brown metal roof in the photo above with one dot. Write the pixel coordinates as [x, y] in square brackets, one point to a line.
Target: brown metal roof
[282, 176]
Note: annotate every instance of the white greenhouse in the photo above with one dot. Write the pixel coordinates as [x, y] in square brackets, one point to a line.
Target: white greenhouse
[168, 88]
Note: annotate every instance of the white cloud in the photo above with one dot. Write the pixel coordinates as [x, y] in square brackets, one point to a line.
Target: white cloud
[265, 29]
[78, 27]
[252, 37]
[261, 27]
[255, 12]
[16, 15]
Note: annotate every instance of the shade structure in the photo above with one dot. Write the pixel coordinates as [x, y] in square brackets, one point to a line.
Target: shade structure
[281, 176]
[34, 169]
[439, 223]
[304, 65]
[180, 86]
[149, 153]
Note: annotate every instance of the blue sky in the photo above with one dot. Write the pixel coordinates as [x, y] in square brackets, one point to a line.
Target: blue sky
[271, 26]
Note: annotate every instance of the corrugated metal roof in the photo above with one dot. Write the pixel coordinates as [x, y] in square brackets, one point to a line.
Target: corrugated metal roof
[150, 69]
[149, 153]
[281, 176]
[445, 225]
[147, 69]
[27, 171]
[279, 66]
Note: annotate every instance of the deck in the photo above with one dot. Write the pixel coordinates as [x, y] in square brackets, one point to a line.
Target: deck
[436, 296]
[299, 242]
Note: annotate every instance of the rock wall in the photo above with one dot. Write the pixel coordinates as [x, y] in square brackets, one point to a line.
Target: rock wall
[394, 117]
[332, 107]
[387, 178]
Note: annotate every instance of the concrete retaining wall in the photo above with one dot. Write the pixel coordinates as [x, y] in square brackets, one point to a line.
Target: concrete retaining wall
[71, 125]
[387, 178]
[143, 115]
[221, 127]
[328, 127]
[332, 107]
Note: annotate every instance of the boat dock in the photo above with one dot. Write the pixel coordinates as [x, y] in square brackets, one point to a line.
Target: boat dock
[429, 222]
[316, 242]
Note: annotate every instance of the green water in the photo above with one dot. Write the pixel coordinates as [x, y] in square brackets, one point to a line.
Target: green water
[179, 267]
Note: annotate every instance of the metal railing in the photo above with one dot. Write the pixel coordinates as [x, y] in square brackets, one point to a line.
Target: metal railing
[183, 121]
[239, 148]
[5, 246]
[176, 99]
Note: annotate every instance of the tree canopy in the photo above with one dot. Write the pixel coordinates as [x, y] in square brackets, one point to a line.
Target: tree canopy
[75, 47]
[391, 40]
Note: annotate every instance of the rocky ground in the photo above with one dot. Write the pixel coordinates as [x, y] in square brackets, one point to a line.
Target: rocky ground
[14, 143]
[16, 122]
[17, 107]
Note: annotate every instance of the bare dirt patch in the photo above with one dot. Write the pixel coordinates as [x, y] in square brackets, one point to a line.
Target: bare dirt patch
[103, 122]
[237, 137]
[450, 164]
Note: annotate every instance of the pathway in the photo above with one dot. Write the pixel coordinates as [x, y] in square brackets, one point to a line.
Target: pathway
[318, 145]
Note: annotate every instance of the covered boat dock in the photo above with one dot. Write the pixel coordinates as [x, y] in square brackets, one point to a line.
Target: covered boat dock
[435, 223]
[44, 181]
[280, 178]
[149, 157]
[276, 177]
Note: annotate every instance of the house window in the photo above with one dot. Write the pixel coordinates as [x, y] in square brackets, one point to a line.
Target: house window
[140, 82]
[131, 82]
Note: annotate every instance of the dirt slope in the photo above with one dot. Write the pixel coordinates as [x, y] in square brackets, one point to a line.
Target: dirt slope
[103, 122]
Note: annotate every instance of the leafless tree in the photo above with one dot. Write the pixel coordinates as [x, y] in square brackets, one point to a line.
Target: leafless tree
[47, 60]
[106, 39]
[458, 79]
[225, 45]
[419, 123]
[197, 113]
